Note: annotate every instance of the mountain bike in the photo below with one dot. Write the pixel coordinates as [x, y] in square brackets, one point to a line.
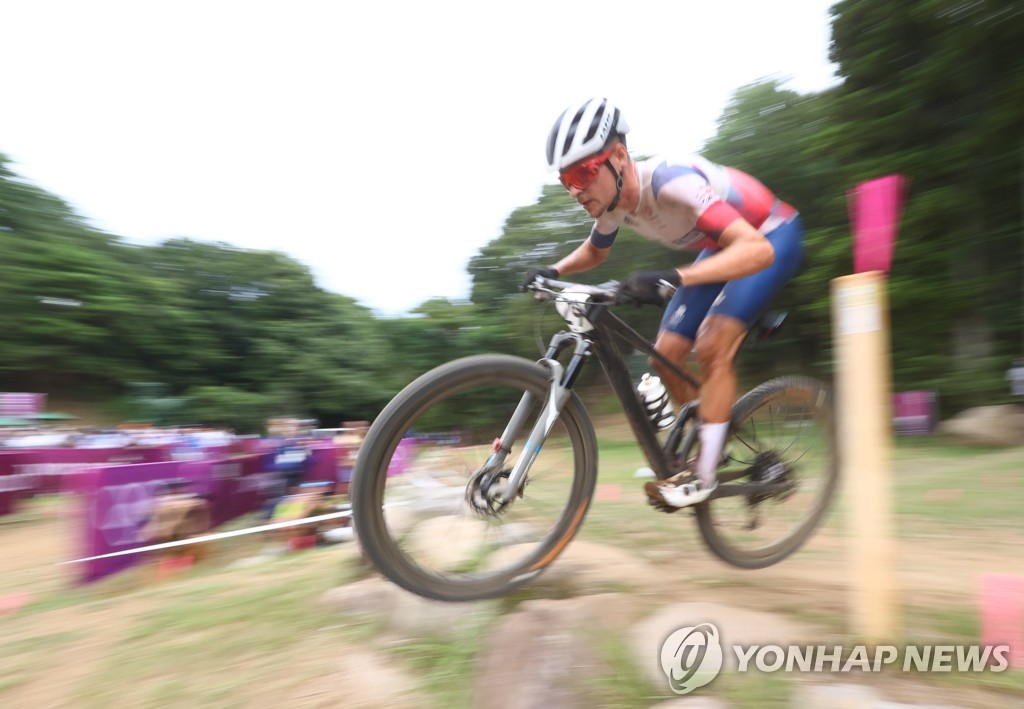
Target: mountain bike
[479, 473]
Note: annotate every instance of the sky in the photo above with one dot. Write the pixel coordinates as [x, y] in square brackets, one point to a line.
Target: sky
[381, 144]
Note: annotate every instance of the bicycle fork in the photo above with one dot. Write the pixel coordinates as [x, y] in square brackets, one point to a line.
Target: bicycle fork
[560, 382]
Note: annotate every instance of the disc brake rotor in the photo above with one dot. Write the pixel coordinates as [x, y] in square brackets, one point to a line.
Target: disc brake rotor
[483, 493]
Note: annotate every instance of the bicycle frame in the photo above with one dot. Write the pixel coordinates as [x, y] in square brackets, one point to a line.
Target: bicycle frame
[768, 463]
[608, 329]
[600, 341]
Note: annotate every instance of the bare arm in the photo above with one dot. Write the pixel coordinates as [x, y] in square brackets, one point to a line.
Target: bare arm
[585, 257]
[744, 252]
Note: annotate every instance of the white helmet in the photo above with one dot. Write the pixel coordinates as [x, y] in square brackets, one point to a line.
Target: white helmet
[583, 131]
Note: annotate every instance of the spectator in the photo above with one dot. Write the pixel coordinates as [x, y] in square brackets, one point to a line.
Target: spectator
[348, 442]
[1015, 375]
[304, 500]
[177, 514]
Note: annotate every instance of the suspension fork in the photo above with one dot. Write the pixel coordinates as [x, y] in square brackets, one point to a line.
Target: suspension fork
[560, 383]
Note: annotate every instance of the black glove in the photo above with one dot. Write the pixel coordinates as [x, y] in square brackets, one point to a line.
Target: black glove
[645, 287]
[532, 274]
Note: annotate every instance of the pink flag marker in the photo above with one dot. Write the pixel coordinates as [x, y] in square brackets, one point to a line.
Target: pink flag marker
[875, 209]
[1001, 598]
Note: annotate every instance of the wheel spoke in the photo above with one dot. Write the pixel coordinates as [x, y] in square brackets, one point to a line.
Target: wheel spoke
[452, 536]
[786, 423]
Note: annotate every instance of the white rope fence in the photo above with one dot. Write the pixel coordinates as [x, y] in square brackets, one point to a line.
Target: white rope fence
[214, 537]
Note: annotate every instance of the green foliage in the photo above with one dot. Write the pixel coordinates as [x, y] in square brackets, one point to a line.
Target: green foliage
[150, 402]
[243, 411]
[782, 137]
[66, 298]
[83, 312]
[930, 89]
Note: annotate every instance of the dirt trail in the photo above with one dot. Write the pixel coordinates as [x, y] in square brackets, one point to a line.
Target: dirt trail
[939, 571]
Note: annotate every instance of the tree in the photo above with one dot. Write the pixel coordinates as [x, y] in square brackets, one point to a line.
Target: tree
[932, 90]
[67, 295]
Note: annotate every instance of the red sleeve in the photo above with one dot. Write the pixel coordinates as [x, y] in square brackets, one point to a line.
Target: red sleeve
[716, 218]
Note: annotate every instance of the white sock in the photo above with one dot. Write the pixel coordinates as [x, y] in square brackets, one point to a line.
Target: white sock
[712, 438]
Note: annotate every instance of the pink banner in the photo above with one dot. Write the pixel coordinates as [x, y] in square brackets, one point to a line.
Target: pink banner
[17, 405]
[117, 500]
[255, 445]
[10, 487]
[239, 485]
[875, 208]
[36, 471]
[915, 413]
[40, 471]
[322, 464]
[115, 504]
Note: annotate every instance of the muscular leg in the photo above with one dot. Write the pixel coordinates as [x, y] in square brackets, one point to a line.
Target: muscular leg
[718, 340]
[714, 316]
[676, 348]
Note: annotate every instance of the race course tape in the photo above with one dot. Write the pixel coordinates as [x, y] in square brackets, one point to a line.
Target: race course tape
[213, 537]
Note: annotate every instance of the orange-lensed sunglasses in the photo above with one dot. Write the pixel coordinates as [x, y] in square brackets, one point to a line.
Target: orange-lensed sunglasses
[582, 174]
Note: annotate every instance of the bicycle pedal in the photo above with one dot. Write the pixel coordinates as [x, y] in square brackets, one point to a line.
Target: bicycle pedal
[658, 504]
[667, 509]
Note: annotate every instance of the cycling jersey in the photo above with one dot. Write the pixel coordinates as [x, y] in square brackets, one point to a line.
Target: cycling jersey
[744, 299]
[687, 202]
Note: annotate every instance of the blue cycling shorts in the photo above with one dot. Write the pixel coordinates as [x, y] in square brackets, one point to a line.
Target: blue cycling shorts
[744, 299]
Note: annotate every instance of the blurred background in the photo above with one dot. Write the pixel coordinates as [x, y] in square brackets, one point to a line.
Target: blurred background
[202, 329]
[239, 333]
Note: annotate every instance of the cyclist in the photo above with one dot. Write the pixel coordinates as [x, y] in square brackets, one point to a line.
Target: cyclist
[750, 245]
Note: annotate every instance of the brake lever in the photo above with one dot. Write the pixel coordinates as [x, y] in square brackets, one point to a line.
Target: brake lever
[666, 290]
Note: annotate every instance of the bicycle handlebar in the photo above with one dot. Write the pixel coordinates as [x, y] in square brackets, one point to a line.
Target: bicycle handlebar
[550, 288]
[607, 292]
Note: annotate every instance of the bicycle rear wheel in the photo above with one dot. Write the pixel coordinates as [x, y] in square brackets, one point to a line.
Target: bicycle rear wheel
[419, 487]
[783, 432]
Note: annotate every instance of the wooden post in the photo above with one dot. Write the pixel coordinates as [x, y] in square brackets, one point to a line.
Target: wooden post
[860, 316]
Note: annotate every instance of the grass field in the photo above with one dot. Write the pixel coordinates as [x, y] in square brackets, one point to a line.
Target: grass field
[236, 634]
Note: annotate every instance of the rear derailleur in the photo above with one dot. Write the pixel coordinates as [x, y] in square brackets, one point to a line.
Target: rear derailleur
[772, 472]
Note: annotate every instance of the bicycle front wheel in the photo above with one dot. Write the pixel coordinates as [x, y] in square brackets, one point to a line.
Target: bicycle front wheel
[782, 433]
[422, 496]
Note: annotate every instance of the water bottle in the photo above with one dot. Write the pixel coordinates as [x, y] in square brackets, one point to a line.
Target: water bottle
[656, 401]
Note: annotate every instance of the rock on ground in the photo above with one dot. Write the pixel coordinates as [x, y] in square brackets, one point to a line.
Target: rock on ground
[987, 426]
[543, 655]
[403, 613]
[736, 626]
